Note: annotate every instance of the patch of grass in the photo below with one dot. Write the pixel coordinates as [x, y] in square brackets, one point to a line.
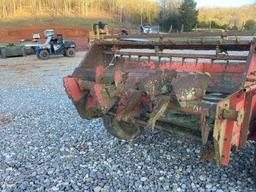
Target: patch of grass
[57, 21]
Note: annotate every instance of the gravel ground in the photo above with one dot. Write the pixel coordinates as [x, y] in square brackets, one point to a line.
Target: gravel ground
[45, 146]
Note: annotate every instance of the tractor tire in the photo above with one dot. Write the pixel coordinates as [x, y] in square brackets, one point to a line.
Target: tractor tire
[70, 52]
[44, 55]
[120, 129]
[3, 53]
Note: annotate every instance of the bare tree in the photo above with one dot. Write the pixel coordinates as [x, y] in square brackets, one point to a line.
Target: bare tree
[120, 9]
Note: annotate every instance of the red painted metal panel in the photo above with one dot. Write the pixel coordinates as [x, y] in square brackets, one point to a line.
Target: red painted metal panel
[251, 73]
[229, 132]
[72, 88]
[226, 78]
[98, 89]
[215, 67]
[253, 116]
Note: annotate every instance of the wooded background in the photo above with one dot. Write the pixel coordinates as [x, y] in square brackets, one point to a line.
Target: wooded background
[167, 13]
[122, 10]
[228, 16]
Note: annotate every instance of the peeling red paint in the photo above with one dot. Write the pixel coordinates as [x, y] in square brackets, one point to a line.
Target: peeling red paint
[202, 67]
[98, 88]
[72, 88]
[99, 72]
[231, 78]
[90, 102]
[148, 64]
[251, 75]
[144, 99]
[118, 77]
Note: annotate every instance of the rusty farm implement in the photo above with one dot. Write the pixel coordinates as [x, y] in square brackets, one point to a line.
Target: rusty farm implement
[196, 85]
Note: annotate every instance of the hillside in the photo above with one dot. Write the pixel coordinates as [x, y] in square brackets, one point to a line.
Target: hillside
[20, 18]
[120, 10]
[229, 16]
[77, 29]
[85, 12]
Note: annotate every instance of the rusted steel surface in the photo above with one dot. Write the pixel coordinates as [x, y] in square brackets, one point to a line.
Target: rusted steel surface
[184, 34]
[180, 55]
[213, 96]
[232, 45]
[250, 75]
[231, 118]
[225, 76]
[72, 89]
[235, 116]
[250, 113]
[128, 105]
[90, 61]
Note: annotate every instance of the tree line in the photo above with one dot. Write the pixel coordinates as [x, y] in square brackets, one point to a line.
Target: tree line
[242, 18]
[123, 10]
[183, 15]
[171, 15]
[177, 15]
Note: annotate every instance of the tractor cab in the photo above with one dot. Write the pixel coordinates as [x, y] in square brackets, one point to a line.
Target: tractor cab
[100, 28]
[99, 31]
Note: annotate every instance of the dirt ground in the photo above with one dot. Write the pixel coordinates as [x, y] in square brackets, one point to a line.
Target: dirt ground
[30, 68]
[20, 63]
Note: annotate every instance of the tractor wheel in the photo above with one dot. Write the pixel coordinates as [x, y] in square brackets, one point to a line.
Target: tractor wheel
[120, 129]
[44, 55]
[70, 52]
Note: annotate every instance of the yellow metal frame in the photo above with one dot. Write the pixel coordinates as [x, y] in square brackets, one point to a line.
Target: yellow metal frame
[100, 34]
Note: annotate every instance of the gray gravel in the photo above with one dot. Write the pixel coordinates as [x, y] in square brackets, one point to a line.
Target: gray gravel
[45, 146]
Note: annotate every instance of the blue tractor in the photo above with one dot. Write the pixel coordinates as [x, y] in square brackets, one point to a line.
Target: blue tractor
[56, 46]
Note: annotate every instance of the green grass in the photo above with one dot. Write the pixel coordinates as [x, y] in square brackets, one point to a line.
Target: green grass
[58, 21]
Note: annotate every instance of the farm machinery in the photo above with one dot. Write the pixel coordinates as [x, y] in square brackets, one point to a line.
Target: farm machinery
[99, 31]
[197, 85]
[30, 45]
[55, 46]
[12, 50]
